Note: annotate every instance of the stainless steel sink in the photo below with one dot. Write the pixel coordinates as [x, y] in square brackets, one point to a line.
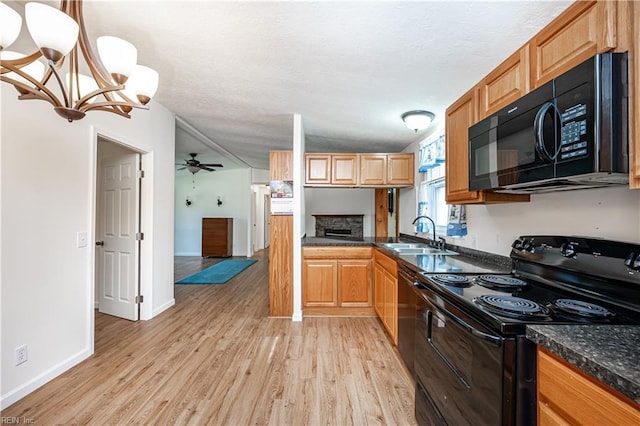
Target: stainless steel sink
[395, 246]
[423, 250]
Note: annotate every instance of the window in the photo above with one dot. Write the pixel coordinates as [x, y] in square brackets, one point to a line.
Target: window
[431, 194]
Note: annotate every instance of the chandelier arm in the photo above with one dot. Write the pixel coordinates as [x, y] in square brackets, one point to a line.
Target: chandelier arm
[102, 105]
[83, 100]
[19, 62]
[99, 72]
[109, 108]
[28, 92]
[64, 92]
[39, 91]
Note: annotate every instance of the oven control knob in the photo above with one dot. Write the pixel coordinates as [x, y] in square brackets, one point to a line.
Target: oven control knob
[517, 244]
[568, 250]
[628, 261]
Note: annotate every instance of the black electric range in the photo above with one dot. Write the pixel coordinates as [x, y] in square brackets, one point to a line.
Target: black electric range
[470, 339]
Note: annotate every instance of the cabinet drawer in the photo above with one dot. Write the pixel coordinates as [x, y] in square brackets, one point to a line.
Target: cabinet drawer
[386, 262]
[577, 398]
[332, 252]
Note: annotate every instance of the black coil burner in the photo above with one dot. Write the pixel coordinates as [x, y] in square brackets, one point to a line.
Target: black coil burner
[511, 306]
[500, 282]
[451, 280]
[579, 309]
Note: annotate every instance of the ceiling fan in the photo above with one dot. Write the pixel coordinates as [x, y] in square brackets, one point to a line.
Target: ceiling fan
[194, 166]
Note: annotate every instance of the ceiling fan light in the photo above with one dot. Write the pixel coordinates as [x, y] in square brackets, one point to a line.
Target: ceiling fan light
[10, 25]
[53, 31]
[142, 84]
[35, 69]
[418, 120]
[118, 56]
[193, 169]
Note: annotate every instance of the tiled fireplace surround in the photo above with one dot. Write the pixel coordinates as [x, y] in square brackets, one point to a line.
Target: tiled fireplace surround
[339, 225]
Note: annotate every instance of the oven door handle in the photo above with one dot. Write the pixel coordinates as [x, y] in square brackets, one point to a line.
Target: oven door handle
[497, 341]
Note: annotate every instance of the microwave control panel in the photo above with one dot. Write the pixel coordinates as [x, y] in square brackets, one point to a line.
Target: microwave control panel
[574, 127]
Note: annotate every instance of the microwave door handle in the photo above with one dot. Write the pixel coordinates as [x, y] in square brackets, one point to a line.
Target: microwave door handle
[539, 131]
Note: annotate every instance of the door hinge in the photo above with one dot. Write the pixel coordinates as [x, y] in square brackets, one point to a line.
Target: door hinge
[139, 236]
[140, 174]
[139, 299]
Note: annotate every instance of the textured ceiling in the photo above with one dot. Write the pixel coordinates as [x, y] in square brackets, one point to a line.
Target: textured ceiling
[235, 72]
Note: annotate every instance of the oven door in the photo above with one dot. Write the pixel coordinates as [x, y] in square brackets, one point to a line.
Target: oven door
[517, 144]
[460, 367]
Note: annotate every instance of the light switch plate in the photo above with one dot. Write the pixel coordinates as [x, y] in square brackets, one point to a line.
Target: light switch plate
[81, 239]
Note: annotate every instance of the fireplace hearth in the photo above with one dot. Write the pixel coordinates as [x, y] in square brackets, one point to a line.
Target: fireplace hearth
[339, 225]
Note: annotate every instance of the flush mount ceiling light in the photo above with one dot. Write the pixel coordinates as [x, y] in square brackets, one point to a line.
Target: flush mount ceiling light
[60, 34]
[418, 120]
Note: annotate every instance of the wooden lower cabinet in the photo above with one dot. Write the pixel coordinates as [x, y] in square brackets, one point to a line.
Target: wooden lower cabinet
[568, 396]
[337, 281]
[386, 292]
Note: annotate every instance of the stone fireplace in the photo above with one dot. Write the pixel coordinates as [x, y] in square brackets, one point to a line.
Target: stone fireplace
[339, 225]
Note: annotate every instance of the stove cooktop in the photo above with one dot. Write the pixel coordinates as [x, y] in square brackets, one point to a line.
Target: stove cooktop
[508, 303]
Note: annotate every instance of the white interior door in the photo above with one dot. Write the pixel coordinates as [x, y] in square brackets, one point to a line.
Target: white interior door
[116, 245]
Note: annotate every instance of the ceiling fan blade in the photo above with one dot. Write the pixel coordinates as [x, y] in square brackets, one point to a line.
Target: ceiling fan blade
[207, 168]
[181, 168]
[212, 165]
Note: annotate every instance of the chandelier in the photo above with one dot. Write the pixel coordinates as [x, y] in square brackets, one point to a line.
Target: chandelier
[60, 36]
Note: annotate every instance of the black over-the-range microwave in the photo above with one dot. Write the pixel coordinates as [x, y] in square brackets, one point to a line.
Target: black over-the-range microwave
[570, 133]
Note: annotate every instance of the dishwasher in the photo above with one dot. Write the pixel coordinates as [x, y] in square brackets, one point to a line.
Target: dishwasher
[409, 304]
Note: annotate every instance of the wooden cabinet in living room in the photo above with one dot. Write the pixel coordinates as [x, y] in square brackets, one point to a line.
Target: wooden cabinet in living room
[386, 293]
[337, 281]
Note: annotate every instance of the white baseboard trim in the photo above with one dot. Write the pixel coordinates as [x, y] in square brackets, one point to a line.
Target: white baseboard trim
[297, 316]
[160, 309]
[188, 254]
[30, 386]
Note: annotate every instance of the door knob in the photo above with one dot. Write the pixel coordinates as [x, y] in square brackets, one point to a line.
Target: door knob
[99, 243]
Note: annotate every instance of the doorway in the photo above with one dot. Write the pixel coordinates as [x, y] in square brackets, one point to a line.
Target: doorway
[117, 229]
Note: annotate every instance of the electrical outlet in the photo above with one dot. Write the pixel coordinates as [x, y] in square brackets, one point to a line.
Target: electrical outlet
[21, 354]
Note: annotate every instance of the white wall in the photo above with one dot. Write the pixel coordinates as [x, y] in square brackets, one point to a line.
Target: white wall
[610, 213]
[47, 196]
[340, 201]
[234, 189]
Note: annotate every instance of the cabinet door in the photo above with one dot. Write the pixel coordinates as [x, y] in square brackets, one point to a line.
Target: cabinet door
[459, 117]
[319, 283]
[391, 305]
[373, 169]
[378, 285]
[354, 282]
[317, 169]
[505, 84]
[344, 169]
[400, 169]
[582, 30]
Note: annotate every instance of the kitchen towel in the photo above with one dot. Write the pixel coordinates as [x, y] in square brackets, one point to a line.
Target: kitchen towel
[457, 224]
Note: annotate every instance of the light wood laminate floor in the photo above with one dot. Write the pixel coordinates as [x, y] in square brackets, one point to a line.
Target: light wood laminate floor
[216, 358]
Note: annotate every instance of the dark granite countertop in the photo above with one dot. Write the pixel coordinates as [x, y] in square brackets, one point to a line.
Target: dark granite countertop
[466, 261]
[607, 352]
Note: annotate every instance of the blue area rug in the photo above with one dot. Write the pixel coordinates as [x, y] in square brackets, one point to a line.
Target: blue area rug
[219, 273]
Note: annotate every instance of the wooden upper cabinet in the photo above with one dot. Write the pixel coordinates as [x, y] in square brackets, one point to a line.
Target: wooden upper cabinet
[458, 117]
[373, 169]
[331, 169]
[400, 169]
[506, 84]
[344, 169]
[281, 165]
[584, 29]
[317, 169]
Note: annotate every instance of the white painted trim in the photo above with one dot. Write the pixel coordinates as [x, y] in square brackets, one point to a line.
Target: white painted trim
[296, 317]
[21, 391]
[298, 213]
[162, 308]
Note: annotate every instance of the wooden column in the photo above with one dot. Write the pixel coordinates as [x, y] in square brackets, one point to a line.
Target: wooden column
[281, 244]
